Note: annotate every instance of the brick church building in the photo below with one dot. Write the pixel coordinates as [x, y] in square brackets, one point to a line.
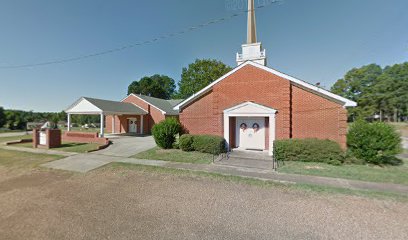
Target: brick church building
[251, 106]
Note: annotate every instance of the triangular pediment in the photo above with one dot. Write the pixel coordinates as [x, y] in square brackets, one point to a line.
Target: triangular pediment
[249, 108]
[83, 106]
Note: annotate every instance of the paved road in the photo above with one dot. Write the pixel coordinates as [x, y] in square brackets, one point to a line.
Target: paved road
[129, 204]
[119, 150]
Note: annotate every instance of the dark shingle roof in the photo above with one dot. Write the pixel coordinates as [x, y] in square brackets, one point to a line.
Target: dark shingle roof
[108, 106]
[114, 106]
[164, 105]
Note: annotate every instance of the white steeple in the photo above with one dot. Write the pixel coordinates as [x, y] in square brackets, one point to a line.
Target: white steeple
[252, 50]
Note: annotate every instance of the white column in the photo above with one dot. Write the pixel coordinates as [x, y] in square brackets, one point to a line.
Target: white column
[113, 124]
[102, 132]
[226, 130]
[271, 133]
[141, 124]
[69, 122]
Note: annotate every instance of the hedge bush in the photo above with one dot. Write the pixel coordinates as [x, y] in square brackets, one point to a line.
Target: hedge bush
[186, 142]
[309, 150]
[165, 132]
[375, 143]
[202, 143]
[209, 144]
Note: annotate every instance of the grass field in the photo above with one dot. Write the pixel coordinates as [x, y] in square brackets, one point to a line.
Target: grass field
[370, 173]
[24, 160]
[69, 147]
[8, 139]
[175, 155]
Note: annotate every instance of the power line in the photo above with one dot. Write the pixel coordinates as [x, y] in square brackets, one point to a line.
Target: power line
[153, 40]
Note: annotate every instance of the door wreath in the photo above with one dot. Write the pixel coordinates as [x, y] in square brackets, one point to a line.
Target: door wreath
[255, 126]
[243, 126]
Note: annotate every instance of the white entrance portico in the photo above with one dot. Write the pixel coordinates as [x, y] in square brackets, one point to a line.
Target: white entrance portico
[93, 106]
[250, 126]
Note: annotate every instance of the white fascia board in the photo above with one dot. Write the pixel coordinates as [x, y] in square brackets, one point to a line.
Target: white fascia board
[135, 95]
[347, 102]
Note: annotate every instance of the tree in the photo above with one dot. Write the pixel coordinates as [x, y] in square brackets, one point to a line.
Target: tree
[199, 74]
[2, 117]
[357, 86]
[377, 91]
[159, 86]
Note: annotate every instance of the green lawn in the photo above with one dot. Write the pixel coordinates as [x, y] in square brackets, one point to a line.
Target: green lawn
[175, 155]
[10, 131]
[8, 139]
[69, 147]
[24, 160]
[389, 174]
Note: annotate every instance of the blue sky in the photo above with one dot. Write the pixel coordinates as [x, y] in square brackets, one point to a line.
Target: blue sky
[314, 40]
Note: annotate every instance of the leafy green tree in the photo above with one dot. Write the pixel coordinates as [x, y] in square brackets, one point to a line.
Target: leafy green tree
[199, 74]
[2, 117]
[159, 86]
[377, 91]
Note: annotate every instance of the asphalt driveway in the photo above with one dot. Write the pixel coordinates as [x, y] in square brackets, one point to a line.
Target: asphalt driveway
[121, 148]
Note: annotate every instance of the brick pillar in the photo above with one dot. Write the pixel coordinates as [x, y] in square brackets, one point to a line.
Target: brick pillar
[36, 138]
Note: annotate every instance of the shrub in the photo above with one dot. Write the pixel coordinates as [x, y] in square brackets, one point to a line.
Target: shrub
[165, 132]
[209, 144]
[308, 150]
[186, 142]
[376, 143]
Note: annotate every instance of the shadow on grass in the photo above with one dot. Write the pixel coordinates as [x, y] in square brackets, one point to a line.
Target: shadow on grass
[67, 145]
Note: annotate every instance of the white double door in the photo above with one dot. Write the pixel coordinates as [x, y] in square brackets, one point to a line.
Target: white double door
[250, 133]
[132, 125]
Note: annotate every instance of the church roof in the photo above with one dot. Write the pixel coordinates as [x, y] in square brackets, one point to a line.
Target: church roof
[166, 106]
[86, 105]
[346, 102]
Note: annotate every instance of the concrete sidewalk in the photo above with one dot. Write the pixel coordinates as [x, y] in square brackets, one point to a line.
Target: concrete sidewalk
[277, 177]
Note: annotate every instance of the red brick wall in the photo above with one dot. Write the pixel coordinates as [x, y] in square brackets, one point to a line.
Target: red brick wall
[205, 116]
[198, 118]
[155, 115]
[82, 137]
[122, 123]
[301, 114]
[314, 116]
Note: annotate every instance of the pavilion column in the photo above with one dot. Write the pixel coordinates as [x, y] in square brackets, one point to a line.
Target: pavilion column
[102, 132]
[69, 122]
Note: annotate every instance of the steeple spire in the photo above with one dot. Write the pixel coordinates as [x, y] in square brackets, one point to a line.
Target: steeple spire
[252, 50]
[251, 34]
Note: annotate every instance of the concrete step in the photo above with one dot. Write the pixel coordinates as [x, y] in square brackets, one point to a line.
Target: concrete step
[257, 155]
